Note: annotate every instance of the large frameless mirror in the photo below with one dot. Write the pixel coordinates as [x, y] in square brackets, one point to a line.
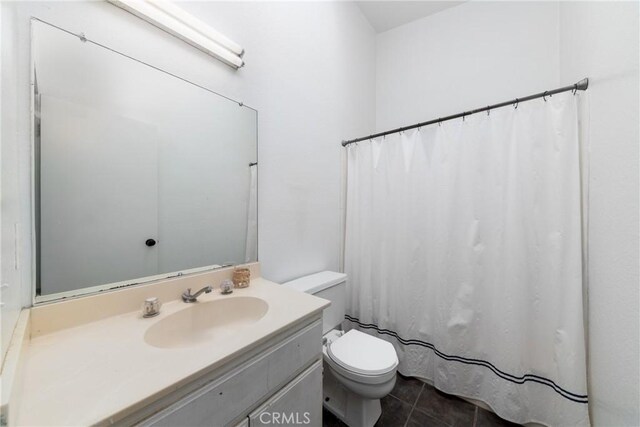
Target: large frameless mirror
[139, 174]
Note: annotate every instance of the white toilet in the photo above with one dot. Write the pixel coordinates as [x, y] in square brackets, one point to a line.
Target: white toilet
[359, 369]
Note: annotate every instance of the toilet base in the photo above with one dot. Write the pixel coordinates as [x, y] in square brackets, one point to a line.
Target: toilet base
[352, 409]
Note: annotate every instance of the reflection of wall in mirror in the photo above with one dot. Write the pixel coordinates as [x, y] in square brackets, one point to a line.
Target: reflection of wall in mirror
[202, 146]
[98, 198]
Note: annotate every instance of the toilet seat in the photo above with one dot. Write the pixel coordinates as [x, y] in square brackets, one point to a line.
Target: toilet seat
[362, 354]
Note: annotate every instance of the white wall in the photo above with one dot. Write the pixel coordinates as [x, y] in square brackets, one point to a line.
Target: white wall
[311, 76]
[12, 201]
[309, 73]
[600, 40]
[484, 52]
[465, 57]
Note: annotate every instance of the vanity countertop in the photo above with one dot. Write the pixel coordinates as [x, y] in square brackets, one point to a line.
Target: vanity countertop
[99, 372]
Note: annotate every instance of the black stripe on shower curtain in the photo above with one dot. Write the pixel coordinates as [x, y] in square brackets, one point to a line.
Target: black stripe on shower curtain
[579, 398]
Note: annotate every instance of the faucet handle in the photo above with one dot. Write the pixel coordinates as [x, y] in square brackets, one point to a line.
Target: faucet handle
[151, 307]
[226, 287]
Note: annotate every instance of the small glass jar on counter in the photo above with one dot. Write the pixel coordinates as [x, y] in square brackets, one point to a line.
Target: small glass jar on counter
[241, 277]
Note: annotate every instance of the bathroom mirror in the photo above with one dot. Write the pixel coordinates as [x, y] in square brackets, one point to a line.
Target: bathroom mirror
[138, 174]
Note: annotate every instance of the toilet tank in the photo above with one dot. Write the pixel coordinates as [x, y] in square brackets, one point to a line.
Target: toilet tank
[328, 285]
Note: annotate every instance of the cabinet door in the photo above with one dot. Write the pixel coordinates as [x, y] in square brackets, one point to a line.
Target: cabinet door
[298, 403]
[232, 395]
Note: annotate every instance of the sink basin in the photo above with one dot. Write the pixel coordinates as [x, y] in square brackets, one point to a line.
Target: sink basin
[201, 322]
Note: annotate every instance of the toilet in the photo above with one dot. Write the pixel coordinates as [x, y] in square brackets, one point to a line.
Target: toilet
[359, 369]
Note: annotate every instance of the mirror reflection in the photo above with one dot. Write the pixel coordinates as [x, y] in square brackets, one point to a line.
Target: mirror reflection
[139, 174]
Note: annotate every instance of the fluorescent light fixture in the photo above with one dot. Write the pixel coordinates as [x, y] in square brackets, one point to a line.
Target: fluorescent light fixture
[170, 18]
[171, 9]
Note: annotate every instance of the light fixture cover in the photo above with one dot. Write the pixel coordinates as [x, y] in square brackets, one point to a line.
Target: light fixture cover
[174, 20]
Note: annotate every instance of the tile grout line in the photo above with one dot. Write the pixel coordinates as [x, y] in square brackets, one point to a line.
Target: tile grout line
[415, 402]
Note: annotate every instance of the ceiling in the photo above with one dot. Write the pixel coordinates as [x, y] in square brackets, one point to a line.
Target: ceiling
[385, 15]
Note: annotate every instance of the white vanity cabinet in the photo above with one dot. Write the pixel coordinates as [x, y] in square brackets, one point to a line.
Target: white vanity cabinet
[281, 378]
[296, 404]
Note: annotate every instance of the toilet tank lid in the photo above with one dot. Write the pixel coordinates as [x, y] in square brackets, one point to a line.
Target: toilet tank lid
[317, 282]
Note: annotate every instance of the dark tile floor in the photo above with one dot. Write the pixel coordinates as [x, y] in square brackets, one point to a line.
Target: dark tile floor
[413, 403]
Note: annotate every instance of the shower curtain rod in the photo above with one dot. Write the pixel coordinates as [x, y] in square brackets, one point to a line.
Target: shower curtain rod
[581, 85]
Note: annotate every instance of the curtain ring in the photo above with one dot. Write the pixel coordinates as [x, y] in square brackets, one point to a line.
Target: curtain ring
[440, 121]
[464, 115]
[544, 95]
[516, 103]
[575, 88]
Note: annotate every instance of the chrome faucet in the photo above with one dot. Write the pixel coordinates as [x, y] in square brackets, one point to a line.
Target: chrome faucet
[187, 296]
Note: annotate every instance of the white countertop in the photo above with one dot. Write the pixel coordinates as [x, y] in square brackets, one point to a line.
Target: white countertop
[101, 371]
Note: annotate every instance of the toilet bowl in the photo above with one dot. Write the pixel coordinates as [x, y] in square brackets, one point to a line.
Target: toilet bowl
[365, 367]
[359, 369]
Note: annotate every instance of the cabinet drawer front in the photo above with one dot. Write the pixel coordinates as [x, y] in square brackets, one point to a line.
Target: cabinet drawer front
[298, 403]
[236, 392]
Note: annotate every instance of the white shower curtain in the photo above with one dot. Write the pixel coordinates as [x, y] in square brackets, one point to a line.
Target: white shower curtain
[463, 249]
